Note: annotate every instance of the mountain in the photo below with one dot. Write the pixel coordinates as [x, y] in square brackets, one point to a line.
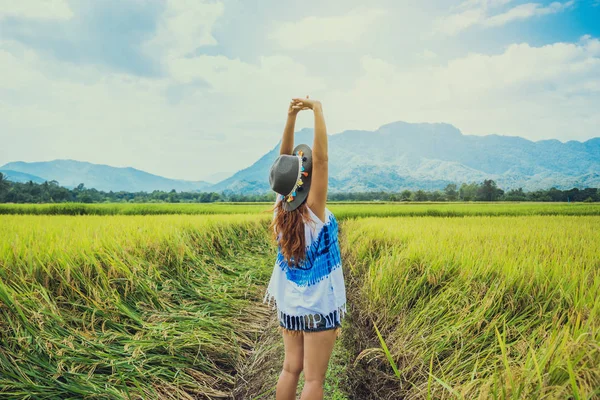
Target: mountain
[400, 156]
[218, 176]
[70, 173]
[20, 177]
[395, 157]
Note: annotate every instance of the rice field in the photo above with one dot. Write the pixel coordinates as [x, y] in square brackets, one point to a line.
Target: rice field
[481, 307]
[155, 301]
[128, 307]
[342, 210]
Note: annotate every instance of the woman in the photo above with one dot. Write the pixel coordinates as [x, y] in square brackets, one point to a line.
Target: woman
[307, 282]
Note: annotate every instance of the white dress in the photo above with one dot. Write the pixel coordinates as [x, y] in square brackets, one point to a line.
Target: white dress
[311, 296]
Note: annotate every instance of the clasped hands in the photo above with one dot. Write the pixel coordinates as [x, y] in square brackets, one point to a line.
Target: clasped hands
[298, 104]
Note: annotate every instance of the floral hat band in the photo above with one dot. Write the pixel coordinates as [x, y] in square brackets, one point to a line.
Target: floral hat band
[290, 176]
[299, 182]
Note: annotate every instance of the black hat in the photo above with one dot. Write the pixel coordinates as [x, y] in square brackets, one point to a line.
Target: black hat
[290, 176]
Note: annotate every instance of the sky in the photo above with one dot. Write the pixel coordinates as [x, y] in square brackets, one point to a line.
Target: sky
[192, 89]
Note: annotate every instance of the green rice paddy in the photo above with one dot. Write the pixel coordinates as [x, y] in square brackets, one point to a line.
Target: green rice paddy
[163, 301]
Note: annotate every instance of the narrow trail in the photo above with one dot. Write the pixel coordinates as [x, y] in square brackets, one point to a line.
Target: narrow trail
[258, 375]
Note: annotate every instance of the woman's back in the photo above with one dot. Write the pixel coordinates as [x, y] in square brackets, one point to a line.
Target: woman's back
[311, 295]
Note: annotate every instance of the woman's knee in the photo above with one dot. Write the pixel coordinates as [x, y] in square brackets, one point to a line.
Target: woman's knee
[293, 367]
[314, 377]
[315, 380]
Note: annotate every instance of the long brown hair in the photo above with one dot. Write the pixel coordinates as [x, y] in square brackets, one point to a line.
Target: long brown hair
[290, 224]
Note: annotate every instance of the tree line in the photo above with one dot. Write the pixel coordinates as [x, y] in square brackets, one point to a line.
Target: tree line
[52, 192]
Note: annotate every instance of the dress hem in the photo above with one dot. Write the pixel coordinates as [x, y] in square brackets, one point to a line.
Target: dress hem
[308, 321]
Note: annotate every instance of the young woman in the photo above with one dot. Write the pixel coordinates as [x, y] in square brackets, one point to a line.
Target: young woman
[307, 282]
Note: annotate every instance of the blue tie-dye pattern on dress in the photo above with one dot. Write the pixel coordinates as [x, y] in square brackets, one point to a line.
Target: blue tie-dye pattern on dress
[322, 257]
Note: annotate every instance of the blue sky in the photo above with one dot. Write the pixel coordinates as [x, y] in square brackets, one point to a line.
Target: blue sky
[188, 89]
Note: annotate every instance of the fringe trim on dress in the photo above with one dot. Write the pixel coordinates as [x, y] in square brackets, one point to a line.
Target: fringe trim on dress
[308, 322]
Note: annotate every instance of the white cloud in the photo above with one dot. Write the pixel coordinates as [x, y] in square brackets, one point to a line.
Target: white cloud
[46, 9]
[427, 55]
[212, 113]
[314, 30]
[83, 112]
[525, 11]
[482, 13]
[227, 75]
[185, 26]
[455, 23]
[482, 3]
[248, 92]
[534, 92]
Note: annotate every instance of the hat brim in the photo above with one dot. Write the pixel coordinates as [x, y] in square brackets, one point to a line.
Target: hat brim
[301, 195]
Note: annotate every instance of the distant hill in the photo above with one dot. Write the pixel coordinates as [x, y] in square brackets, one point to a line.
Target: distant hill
[395, 157]
[218, 177]
[400, 156]
[21, 177]
[70, 173]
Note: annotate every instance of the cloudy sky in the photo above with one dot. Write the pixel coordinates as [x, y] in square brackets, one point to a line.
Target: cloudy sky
[188, 89]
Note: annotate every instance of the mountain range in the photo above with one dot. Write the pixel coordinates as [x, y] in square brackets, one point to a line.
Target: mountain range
[70, 173]
[400, 156]
[395, 157]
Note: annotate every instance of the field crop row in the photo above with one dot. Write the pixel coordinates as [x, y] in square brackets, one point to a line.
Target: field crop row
[341, 210]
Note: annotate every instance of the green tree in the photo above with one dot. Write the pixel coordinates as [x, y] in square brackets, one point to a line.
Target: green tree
[85, 198]
[173, 197]
[4, 185]
[489, 191]
[515, 195]
[451, 192]
[556, 195]
[468, 191]
[405, 195]
[436, 196]
[419, 195]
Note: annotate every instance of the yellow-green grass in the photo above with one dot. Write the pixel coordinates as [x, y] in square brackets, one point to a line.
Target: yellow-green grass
[340, 209]
[482, 307]
[135, 208]
[163, 306]
[128, 306]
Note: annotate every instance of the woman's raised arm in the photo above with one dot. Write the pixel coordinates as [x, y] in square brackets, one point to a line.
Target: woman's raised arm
[317, 197]
[287, 142]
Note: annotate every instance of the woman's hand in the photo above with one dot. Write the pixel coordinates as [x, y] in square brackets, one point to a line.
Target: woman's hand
[295, 107]
[306, 103]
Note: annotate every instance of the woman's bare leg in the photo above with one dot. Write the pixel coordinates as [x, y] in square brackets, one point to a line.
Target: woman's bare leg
[292, 366]
[317, 351]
